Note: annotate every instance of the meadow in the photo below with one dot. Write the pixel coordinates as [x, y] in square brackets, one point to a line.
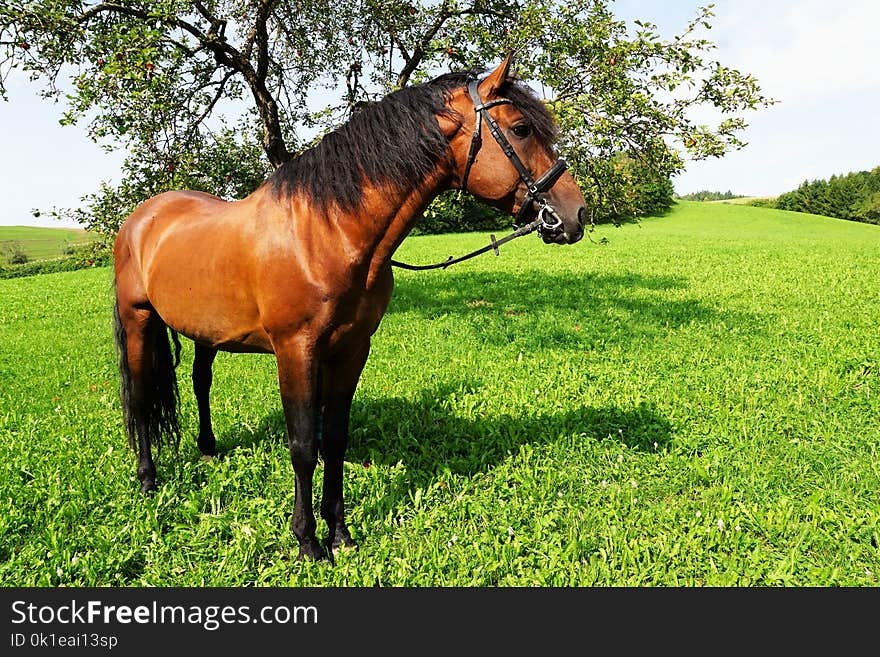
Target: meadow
[695, 402]
[41, 243]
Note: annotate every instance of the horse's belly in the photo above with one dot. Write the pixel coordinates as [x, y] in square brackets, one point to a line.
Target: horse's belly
[214, 329]
[209, 308]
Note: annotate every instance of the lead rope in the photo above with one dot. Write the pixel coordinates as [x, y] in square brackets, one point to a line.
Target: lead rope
[493, 246]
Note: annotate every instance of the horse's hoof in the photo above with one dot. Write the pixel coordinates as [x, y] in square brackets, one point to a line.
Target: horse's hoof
[208, 457]
[311, 550]
[148, 487]
[341, 545]
[207, 445]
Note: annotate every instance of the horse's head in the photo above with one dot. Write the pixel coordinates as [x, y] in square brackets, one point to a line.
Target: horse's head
[501, 138]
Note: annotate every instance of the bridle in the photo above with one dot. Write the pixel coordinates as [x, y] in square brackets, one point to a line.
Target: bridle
[548, 222]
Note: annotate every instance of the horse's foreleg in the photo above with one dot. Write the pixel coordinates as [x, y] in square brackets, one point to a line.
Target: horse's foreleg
[340, 380]
[202, 377]
[297, 376]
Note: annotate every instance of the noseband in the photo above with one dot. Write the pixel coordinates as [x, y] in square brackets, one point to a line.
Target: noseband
[550, 223]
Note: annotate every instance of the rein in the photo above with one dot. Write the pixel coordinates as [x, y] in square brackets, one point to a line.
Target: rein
[547, 221]
[519, 232]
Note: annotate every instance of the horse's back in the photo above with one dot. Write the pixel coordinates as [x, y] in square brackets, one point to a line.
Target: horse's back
[164, 210]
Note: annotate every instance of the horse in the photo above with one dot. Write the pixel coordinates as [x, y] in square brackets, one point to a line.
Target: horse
[301, 268]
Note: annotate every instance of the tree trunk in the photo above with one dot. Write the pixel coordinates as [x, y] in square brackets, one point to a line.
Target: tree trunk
[273, 136]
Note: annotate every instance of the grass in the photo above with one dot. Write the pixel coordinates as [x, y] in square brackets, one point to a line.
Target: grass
[41, 243]
[694, 403]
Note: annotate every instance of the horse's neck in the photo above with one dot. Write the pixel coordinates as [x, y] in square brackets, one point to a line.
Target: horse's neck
[394, 214]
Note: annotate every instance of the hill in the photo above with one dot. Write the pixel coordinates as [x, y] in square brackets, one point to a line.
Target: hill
[746, 200]
[41, 243]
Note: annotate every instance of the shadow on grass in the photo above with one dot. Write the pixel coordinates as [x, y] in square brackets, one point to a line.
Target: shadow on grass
[429, 439]
[529, 289]
[539, 309]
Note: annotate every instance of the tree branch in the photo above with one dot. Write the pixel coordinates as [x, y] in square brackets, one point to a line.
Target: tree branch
[262, 38]
[419, 50]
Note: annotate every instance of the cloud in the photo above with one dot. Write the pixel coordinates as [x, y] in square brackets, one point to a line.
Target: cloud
[806, 51]
[819, 60]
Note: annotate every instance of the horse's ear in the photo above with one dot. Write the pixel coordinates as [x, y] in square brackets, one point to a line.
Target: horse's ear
[496, 79]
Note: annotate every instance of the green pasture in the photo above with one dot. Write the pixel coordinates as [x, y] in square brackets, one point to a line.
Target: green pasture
[695, 402]
[41, 243]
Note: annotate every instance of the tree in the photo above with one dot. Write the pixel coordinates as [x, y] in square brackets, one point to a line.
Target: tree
[854, 196]
[162, 78]
[15, 253]
[706, 195]
[868, 209]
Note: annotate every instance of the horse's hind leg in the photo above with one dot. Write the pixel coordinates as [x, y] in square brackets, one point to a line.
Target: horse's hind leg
[202, 376]
[340, 379]
[148, 390]
[135, 366]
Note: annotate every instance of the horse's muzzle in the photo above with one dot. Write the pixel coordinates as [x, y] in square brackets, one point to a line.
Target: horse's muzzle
[561, 237]
[560, 234]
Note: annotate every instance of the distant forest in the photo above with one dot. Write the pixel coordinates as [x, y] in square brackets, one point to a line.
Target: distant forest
[854, 196]
[709, 196]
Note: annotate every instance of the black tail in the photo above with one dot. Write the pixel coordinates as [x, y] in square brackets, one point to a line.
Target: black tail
[154, 410]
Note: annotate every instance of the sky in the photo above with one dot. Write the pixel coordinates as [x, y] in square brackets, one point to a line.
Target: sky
[818, 59]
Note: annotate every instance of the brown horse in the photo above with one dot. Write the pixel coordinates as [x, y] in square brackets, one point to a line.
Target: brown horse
[301, 268]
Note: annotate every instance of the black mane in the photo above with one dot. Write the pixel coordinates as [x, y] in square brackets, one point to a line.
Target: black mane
[395, 141]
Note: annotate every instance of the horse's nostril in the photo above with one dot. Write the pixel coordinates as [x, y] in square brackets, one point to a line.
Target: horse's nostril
[582, 216]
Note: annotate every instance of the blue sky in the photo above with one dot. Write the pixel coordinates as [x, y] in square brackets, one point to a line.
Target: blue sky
[817, 58]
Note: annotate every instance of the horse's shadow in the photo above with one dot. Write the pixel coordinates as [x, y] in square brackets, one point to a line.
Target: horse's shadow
[430, 440]
[537, 309]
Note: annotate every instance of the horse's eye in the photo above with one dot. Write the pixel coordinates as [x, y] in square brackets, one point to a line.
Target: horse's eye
[522, 130]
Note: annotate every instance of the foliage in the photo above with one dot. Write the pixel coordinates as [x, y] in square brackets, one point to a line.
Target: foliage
[229, 166]
[617, 415]
[158, 77]
[632, 189]
[766, 202]
[868, 208]
[80, 257]
[854, 196]
[706, 195]
[15, 253]
[451, 214]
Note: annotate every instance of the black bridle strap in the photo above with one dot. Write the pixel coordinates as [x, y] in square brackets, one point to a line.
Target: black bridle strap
[482, 114]
[477, 139]
[543, 183]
